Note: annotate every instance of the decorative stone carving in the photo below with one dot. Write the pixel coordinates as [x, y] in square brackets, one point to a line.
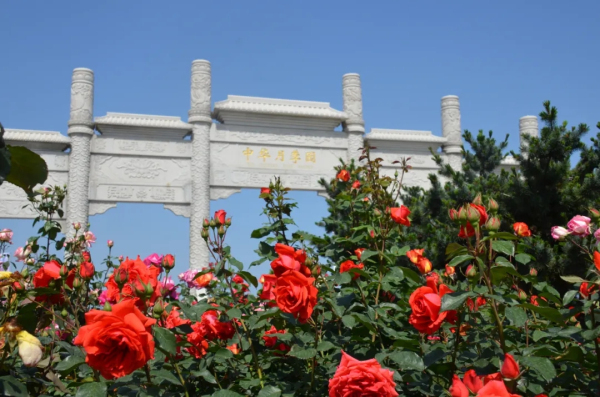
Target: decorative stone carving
[528, 125]
[100, 208]
[451, 130]
[82, 98]
[179, 209]
[200, 94]
[217, 193]
[352, 95]
[141, 168]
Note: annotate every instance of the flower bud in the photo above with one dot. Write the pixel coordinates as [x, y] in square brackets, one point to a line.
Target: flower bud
[377, 212]
[453, 214]
[30, 261]
[221, 231]
[64, 270]
[64, 313]
[493, 224]
[212, 223]
[121, 277]
[471, 272]
[121, 259]
[462, 215]
[107, 307]
[168, 261]
[316, 271]
[533, 272]
[205, 223]
[18, 287]
[522, 295]
[158, 308]
[204, 234]
[478, 200]
[77, 283]
[493, 206]
[110, 243]
[148, 290]
[76, 225]
[473, 215]
[228, 222]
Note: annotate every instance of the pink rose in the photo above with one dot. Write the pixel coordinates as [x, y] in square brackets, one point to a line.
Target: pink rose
[579, 225]
[103, 297]
[597, 235]
[6, 236]
[154, 259]
[89, 238]
[168, 288]
[22, 253]
[559, 232]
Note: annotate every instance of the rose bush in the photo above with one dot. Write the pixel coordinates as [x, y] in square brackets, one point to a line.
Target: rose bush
[359, 312]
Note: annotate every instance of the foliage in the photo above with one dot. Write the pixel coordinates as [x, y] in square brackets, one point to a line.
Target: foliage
[358, 310]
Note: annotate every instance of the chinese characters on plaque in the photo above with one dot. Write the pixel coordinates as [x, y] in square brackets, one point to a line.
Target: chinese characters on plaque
[280, 155]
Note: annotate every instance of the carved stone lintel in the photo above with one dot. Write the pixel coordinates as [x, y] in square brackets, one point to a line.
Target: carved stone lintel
[352, 95]
[528, 125]
[179, 209]
[96, 208]
[217, 193]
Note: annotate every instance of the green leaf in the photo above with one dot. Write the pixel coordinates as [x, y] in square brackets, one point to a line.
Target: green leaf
[591, 334]
[399, 251]
[516, 315]
[504, 247]
[457, 260]
[503, 235]
[27, 318]
[411, 274]
[70, 363]
[573, 279]
[27, 169]
[234, 313]
[165, 340]
[236, 263]
[270, 391]
[541, 365]
[408, 361]
[523, 258]
[226, 393]
[453, 248]
[303, 354]
[207, 376]
[325, 345]
[95, 389]
[367, 254]
[163, 374]
[455, 300]
[224, 353]
[260, 233]
[546, 312]
[569, 297]
[348, 321]
[249, 278]
[9, 386]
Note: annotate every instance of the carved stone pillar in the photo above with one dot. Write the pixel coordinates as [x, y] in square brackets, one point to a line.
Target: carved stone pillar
[528, 125]
[354, 125]
[200, 118]
[81, 130]
[452, 131]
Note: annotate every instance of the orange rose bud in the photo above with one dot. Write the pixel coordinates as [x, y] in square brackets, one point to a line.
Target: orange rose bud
[533, 272]
[510, 368]
[343, 176]
[356, 185]
[400, 215]
[522, 295]
[521, 229]
[234, 348]
[450, 270]
[424, 265]
[594, 214]
[64, 270]
[265, 190]
[471, 272]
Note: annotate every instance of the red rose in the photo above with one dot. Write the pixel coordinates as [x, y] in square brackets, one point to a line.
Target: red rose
[426, 304]
[356, 185]
[174, 320]
[289, 259]
[586, 289]
[400, 215]
[198, 341]
[48, 273]
[458, 389]
[521, 229]
[271, 341]
[212, 328]
[472, 381]
[117, 342]
[296, 294]
[268, 292]
[347, 265]
[495, 388]
[597, 260]
[358, 252]
[343, 176]
[86, 256]
[466, 231]
[361, 378]
[86, 270]
[510, 368]
[483, 215]
[265, 190]
[137, 273]
[220, 215]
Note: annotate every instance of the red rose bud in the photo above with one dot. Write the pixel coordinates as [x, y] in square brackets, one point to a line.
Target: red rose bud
[221, 231]
[522, 295]
[205, 223]
[356, 185]
[204, 234]
[18, 287]
[473, 215]
[533, 272]
[212, 223]
[265, 190]
[86, 256]
[510, 368]
[86, 270]
[64, 270]
[477, 200]
[471, 272]
[121, 277]
[343, 176]
[453, 214]
[377, 212]
[228, 222]
[168, 261]
[493, 206]
[158, 308]
[493, 224]
[594, 214]
[462, 215]
[77, 283]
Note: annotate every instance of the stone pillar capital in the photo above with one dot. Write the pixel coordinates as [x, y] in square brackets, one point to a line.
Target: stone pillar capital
[451, 130]
[200, 92]
[81, 118]
[353, 106]
[528, 125]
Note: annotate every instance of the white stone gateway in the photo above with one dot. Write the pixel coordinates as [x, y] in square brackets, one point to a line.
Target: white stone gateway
[242, 142]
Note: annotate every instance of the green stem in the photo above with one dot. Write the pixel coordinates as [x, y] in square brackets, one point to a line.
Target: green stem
[181, 378]
[456, 344]
[595, 339]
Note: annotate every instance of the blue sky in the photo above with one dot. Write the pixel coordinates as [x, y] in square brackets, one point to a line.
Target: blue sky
[502, 59]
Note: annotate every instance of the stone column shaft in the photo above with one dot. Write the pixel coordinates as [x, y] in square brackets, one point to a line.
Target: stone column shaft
[451, 130]
[81, 130]
[354, 125]
[200, 118]
[528, 125]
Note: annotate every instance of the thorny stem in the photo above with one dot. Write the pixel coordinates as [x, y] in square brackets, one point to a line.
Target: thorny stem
[147, 369]
[456, 343]
[181, 378]
[496, 315]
